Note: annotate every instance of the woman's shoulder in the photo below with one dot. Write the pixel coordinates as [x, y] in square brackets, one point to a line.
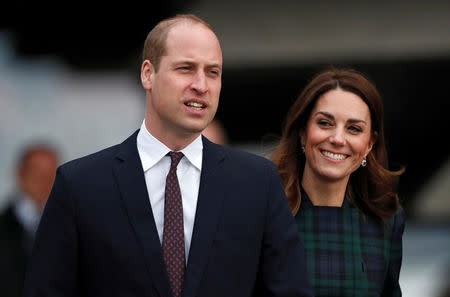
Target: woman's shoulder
[398, 221]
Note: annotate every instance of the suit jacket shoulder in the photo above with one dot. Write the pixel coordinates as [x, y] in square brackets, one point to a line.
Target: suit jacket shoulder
[94, 170]
[99, 159]
[245, 160]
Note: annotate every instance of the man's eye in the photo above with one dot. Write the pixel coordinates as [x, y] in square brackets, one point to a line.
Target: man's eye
[214, 72]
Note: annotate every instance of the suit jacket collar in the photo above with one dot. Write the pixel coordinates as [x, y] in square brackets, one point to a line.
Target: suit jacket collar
[209, 205]
[131, 181]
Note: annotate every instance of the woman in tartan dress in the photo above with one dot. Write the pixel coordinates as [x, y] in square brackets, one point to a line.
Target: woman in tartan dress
[333, 162]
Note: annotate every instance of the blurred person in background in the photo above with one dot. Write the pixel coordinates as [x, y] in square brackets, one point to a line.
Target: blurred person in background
[35, 174]
[216, 132]
[167, 212]
[333, 162]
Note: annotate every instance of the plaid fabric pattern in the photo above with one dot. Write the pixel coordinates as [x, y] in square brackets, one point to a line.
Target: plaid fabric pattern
[349, 255]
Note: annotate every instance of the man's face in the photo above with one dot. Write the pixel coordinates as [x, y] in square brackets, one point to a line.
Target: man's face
[37, 176]
[183, 95]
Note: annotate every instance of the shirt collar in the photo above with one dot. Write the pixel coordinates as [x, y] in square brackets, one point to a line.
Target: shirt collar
[151, 150]
[194, 152]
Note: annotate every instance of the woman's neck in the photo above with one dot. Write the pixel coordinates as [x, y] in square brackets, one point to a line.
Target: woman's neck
[325, 193]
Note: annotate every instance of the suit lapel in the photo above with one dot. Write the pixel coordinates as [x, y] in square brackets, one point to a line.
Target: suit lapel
[131, 181]
[209, 205]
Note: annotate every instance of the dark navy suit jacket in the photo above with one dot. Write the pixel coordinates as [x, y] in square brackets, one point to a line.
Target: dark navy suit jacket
[15, 244]
[97, 236]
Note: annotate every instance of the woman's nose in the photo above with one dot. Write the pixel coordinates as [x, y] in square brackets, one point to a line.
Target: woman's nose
[338, 137]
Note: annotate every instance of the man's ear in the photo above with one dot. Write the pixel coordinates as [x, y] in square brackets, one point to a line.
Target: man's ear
[147, 70]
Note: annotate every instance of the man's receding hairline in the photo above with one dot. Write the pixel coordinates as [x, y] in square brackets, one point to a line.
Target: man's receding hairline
[187, 22]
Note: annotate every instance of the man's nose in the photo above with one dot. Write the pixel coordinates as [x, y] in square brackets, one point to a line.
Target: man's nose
[199, 83]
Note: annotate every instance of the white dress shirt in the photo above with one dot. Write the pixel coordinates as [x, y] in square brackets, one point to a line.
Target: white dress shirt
[156, 165]
[27, 213]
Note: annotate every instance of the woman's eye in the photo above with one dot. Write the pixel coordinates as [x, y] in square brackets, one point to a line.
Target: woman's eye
[323, 123]
[356, 129]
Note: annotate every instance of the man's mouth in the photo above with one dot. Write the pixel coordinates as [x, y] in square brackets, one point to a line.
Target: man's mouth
[195, 105]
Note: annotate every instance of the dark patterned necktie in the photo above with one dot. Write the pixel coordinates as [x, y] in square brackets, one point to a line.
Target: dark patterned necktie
[173, 233]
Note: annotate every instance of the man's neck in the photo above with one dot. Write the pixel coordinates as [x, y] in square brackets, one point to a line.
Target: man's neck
[174, 141]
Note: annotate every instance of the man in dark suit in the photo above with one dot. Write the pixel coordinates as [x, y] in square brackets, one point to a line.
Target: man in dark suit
[218, 225]
[35, 174]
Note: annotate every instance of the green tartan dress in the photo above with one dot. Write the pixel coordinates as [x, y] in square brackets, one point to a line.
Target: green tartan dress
[348, 254]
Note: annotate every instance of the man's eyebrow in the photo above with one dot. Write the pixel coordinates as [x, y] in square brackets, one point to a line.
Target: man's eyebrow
[189, 62]
[216, 65]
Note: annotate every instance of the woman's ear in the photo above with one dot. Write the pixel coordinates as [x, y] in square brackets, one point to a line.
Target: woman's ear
[372, 141]
[302, 135]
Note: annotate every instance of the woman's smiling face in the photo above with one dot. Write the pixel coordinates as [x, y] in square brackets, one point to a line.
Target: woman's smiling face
[337, 136]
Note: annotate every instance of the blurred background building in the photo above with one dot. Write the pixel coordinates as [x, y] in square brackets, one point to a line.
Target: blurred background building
[69, 75]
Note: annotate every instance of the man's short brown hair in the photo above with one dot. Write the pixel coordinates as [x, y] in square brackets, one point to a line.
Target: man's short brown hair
[155, 43]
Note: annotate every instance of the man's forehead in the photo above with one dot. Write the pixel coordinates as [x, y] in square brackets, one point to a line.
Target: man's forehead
[190, 40]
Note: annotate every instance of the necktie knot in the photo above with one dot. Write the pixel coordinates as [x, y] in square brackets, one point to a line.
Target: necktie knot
[175, 158]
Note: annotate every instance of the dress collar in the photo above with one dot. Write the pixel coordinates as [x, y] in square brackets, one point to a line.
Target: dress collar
[307, 203]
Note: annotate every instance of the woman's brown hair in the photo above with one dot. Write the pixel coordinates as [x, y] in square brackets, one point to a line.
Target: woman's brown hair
[372, 189]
